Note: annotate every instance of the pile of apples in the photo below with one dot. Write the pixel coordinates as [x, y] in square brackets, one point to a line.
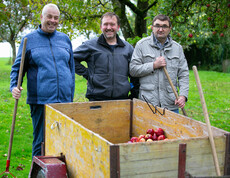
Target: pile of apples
[150, 136]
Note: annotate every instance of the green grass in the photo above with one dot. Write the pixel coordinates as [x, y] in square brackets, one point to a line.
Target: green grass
[216, 89]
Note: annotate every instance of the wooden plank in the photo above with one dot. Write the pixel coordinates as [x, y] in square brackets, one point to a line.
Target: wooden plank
[161, 157]
[175, 125]
[182, 160]
[114, 161]
[227, 156]
[109, 119]
[86, 153]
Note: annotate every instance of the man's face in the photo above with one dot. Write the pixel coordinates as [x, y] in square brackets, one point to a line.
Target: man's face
[161, 29]
[109, 27]
[50, 20]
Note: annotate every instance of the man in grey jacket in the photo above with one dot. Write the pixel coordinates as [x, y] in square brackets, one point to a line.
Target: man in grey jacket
[107, 59]
[153, 53]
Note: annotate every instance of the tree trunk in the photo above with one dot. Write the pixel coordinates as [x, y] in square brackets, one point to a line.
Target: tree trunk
[13, 46]
[140, 22]
[126, 29]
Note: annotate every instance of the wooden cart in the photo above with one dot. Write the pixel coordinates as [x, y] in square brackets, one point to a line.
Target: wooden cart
[93, 138]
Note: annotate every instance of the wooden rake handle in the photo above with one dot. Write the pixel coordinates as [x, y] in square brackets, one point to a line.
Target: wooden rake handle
[205, 111]
[16, 100]
[173, 88]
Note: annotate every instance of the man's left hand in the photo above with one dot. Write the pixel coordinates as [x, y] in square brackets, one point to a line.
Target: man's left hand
[180, 101]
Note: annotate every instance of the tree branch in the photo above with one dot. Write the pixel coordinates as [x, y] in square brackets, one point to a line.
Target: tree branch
[131, 6]
[150, 6]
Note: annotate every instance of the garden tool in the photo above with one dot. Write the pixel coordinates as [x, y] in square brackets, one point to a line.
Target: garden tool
[205, 111]
[15, 110]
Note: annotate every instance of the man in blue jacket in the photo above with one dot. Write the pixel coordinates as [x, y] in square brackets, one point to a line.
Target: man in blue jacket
[50, 70]
[108, 59]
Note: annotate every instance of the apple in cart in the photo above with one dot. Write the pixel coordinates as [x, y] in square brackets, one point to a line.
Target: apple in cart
[134, 139]
[159, 131]
[150, 131]
[148, 136]
[161, 137]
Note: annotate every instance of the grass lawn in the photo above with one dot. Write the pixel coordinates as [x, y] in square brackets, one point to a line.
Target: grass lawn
[216, 89]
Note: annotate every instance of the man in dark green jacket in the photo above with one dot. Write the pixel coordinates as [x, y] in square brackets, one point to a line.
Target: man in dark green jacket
[108, 59]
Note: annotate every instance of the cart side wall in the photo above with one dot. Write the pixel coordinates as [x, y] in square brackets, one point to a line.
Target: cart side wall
[111, 120]
[174, 125]
[87, 154]
[160, 159]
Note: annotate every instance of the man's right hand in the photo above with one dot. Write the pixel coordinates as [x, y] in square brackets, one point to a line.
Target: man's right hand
[160, 62]
[16, 93]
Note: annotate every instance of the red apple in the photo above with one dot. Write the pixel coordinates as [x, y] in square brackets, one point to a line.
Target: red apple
[214, 32]
[150, 131]
[225, 26]
[148, 136]
[159, 131]
[140, 137]
[228, 5]
[209, 18]
[179, 35]
[149, 140]
[208, 5]
[161, 137]
[190, 35]
[154, 136]
[222, 35]
[134, 139]
[142, 140]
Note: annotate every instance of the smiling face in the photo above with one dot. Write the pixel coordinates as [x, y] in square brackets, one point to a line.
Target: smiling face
[109, 27]
[50, 19]
[161, 29]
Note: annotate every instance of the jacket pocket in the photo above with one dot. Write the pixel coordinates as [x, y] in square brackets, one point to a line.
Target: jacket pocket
[149, 57]
[173, 62]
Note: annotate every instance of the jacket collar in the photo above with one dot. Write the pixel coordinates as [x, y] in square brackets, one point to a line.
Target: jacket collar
[154, 45]
[44, 33]
[101, 40]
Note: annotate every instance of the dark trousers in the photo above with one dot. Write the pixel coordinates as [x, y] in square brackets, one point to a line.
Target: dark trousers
[37, 115]
[176, 111]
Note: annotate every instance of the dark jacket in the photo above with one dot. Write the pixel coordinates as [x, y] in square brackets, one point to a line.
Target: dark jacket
[108, 69]
[50, 68]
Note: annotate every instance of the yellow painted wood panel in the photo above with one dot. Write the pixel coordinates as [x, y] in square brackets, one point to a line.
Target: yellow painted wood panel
[86, 153]
[111, 120]
[174, 125]
[84, 135]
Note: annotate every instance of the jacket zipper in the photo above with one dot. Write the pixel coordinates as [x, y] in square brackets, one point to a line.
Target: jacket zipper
[55, 69]
[112, 75]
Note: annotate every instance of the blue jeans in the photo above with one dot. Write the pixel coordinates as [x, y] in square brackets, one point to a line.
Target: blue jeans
[176, 111]
[37, 115]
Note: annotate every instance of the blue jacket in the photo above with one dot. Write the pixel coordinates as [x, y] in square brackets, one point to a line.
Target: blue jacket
[49, 65]
[108, 69]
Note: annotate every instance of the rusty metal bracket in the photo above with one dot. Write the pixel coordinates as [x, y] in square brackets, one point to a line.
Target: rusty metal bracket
[156, 110]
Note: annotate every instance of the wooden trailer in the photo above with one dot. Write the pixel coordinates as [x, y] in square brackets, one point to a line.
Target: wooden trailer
[93, 138]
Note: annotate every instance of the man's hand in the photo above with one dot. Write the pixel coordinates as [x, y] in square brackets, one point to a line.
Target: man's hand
[16, 93]
[180, 101]
[160, 62]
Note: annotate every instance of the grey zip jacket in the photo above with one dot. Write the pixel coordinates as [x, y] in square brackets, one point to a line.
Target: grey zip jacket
[154, 84]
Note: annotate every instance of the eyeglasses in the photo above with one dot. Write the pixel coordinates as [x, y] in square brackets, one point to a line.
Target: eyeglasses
[163, 27]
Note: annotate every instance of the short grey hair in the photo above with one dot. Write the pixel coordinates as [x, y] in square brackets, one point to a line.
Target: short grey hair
[49, 5]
